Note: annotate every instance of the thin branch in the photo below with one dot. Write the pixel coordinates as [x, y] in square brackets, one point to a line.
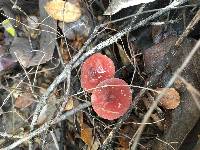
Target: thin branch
[189, 28]
[6, 135]
[54, 139]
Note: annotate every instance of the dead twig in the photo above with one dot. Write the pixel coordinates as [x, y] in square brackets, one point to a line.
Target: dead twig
[54, 139]
[189, 28]
[6, 135]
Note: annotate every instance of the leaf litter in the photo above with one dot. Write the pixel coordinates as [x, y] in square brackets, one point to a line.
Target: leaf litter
[40, 68]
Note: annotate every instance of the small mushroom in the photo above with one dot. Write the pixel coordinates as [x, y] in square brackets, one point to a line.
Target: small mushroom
[111, 99]
[170, 99]
[95, 69]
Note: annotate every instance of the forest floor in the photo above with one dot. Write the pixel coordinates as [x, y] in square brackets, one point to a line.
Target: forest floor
[99, 74]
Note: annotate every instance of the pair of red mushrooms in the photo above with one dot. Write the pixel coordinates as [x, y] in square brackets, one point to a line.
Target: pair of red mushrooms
[111, 97]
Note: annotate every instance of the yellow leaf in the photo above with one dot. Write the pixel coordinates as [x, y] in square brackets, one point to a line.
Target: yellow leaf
[8, 27]
[63, 11]
[70, 104]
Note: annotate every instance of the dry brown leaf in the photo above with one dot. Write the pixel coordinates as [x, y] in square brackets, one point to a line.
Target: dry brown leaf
[63, 11]
[86, 135]
[80, 118]
[24, 100]
[78, 42]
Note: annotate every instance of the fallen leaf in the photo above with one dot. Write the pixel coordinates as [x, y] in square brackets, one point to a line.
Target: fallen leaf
[84, 131]
[49, 110]
[22, 51]
[65, 53]
[86, 134]
[124, 140]
[116, 5]
[63, 11]
[48, 38]
[24, 100]
[70, 104]
[12, 123]
[154, 56]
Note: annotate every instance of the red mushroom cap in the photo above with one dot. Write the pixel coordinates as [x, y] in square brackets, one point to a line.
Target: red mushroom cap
[111, 99]
[95, 69]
